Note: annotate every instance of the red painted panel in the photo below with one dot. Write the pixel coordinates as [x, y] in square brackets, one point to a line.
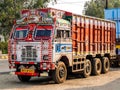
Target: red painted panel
[22, 27]
[26, 74]
[92, 35]
[45, 27]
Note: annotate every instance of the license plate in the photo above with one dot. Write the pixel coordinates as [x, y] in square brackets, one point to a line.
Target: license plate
[27, 70]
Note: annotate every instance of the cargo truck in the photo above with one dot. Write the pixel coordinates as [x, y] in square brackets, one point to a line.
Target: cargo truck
[114, 15]
[59, 43]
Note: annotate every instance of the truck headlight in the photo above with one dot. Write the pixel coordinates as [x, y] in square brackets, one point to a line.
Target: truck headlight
[45, 57]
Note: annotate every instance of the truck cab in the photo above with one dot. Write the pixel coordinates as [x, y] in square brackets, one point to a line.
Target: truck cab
[37, 43]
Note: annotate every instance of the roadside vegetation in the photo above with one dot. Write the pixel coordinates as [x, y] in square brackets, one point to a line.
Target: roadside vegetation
[96, 7]
[10, 10]
[4, 47]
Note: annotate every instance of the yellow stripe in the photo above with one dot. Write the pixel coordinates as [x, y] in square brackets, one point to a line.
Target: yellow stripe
[118, 46]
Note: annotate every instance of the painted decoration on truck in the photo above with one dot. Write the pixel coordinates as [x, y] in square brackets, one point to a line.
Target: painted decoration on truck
[57, 13]
[63, 48]
[24, 13]
[61, 23]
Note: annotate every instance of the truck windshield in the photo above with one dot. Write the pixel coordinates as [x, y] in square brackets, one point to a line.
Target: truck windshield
[21, 34]
[43, 33]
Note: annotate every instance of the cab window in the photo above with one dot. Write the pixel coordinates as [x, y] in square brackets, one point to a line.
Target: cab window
[20, 34]
[43, 33]
[63, 34]
[67, 34]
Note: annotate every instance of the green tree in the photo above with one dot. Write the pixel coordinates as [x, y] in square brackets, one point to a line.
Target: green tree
[4, 47]
[96, 7]
[10, 10]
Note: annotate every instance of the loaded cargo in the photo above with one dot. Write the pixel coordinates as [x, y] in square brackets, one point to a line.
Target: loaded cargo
[60, 43]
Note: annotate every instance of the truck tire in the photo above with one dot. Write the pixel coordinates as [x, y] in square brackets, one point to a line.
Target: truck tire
[97, 66]
[105, 64]
[24, 78]
[60, 73]
[87, 69]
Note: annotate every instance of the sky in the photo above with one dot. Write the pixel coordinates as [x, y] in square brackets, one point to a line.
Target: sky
[75, 6]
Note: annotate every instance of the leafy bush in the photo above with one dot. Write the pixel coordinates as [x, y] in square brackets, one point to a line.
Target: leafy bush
[4, 47]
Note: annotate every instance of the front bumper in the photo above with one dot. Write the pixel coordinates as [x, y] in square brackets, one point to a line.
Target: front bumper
[39, 68]
[27, 74]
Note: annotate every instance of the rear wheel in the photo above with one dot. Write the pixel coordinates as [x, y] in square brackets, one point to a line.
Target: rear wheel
[97, 66]
[87, 69]
[60, 73]
[24, 78]
[105, 65]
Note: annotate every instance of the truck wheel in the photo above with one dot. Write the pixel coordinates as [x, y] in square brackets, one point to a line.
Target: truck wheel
[105, 65]
[24, 78]
[97, 66]
[87, 69]
[60, 73]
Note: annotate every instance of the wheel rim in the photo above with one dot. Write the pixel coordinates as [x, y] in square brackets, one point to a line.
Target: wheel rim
[61, 72]
[107, 64]
[98, 66]
[88, 67]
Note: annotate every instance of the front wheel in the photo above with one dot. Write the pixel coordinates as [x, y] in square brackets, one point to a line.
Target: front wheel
[24, 78]
[60, 73]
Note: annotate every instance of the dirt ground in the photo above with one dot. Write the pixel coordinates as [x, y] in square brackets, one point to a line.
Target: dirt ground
[109, 81]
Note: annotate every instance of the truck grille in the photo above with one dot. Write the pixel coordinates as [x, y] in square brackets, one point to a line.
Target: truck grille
[28, 53]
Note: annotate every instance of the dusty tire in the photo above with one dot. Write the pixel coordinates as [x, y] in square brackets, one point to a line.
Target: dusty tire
[105, 65]
[97, 66]
[60, 73]
[24, 78]
[87, 69]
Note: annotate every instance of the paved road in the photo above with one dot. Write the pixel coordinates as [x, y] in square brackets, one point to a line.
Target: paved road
[4, 66]
[109, 81]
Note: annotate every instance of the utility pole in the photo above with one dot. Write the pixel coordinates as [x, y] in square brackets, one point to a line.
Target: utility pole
[106, 7]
